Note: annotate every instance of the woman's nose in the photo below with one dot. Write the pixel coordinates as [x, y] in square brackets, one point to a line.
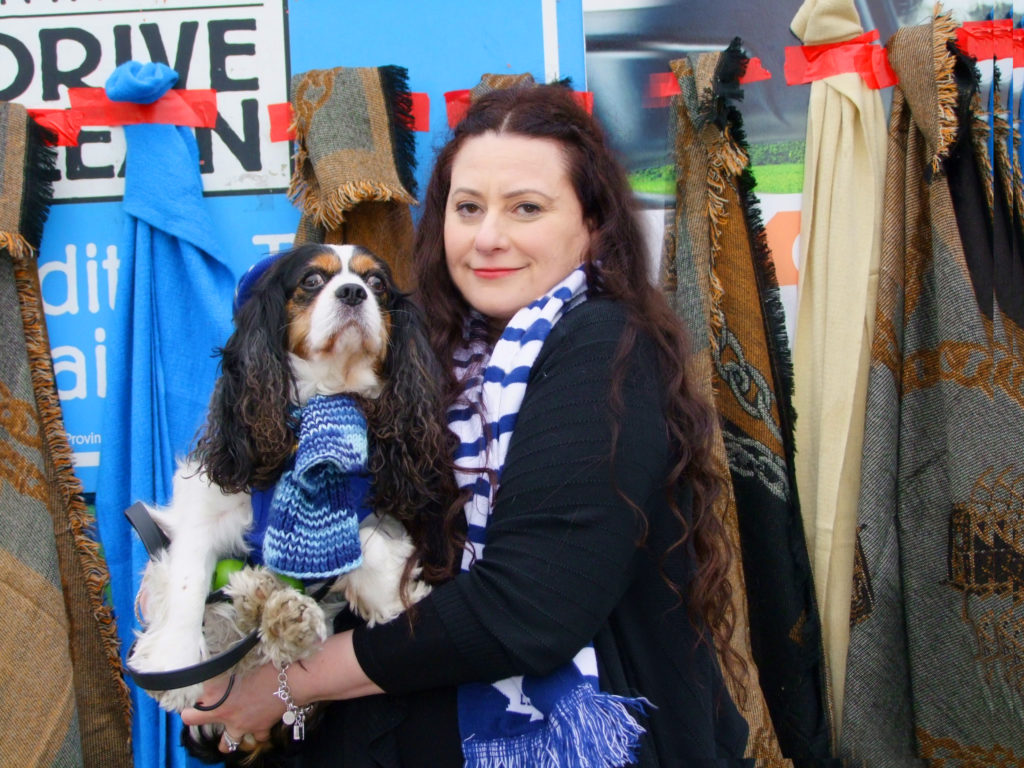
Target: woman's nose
[490, 235]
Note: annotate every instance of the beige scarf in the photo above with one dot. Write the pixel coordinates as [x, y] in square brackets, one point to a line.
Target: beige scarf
[840, 242]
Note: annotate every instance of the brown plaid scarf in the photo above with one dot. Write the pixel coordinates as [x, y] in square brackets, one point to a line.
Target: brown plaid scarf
[354, 160]
[720, 277]
[936, 663]
[58, 647]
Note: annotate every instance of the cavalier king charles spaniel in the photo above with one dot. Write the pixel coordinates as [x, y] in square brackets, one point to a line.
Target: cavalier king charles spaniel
[316, 320]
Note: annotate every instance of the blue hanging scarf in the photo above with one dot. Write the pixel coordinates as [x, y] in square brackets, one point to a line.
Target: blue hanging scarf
[560, 720]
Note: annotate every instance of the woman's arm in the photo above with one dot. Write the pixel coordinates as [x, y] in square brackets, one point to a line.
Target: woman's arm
[561, 540]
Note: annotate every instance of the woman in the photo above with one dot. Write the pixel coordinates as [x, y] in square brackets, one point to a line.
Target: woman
[593, 582]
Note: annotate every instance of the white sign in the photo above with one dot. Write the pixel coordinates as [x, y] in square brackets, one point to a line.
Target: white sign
[239, 49]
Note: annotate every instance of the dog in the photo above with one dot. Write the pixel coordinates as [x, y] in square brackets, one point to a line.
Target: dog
[318, 320]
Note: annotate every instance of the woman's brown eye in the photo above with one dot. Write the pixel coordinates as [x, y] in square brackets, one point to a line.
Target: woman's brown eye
[312, 281]
[376, 284]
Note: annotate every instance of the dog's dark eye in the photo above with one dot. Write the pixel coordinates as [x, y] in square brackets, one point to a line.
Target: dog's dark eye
[312, 281]
[376, 284]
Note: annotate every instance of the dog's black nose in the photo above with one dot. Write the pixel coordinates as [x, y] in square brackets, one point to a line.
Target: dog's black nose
[351, 294]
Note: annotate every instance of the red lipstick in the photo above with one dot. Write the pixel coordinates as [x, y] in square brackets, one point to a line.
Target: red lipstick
[493, 274]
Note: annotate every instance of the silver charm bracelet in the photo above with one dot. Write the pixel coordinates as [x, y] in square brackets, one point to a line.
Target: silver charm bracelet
[294, 715]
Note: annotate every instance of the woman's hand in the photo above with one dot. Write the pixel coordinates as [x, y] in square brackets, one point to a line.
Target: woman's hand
[249, 708]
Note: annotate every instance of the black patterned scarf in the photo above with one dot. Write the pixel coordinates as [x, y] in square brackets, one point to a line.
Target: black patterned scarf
[720, 278]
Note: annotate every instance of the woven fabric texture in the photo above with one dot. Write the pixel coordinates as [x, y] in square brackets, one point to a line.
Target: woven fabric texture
[937, 612]
[720, 278]
[52, 574]
[354, 160]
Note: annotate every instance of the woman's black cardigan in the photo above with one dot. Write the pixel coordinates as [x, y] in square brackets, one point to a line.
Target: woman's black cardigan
[564, 565]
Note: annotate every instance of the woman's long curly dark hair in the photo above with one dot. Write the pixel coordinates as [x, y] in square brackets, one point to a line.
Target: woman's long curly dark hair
[617, 267]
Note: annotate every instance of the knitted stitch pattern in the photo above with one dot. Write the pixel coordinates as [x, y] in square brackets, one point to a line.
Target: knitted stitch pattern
[313, 528]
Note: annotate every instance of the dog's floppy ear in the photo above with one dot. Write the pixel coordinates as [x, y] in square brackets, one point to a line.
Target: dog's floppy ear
[248, 435]
[411, 442]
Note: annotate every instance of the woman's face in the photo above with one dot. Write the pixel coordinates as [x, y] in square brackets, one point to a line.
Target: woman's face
[513, 226]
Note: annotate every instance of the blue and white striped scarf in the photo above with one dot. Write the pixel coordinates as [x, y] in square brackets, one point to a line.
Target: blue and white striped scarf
[562, 719]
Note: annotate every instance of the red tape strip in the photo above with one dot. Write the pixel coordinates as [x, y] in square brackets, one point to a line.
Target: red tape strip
[662, 86]
[280, 121]
[65, 123]
[420, 112]
[193, 108]
[986, 40]
[585, 99]
[808, 63]
[755, 72]
[457, 104]
[1018, 48]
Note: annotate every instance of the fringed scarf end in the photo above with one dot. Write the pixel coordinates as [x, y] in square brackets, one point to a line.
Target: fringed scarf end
[329, 211]
[395, 84]
[947, 90]
[21, 250]
[40, 171]
[586, 729]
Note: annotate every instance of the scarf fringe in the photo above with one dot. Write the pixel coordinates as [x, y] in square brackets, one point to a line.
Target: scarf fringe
[947, 91]
[329, 211]
[40, 171]
[586, 729]
[728, 159]
[92, 563]
[17, 246]
[395, 83]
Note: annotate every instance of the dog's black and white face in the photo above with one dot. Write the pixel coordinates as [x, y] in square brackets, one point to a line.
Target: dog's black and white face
[338, 302]
[318, 319]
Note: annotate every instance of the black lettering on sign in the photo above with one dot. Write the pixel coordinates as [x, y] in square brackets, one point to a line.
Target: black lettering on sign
[187, 32]
[246, 149]
[182, 56]
[52, 76]
[220, 49]
[24, 71]
[76, 169]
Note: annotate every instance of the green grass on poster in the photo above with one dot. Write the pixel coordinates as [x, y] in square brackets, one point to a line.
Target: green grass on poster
[778, 168]
[778, 179]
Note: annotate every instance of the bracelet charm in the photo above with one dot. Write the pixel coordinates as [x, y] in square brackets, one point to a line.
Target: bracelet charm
[294, 715]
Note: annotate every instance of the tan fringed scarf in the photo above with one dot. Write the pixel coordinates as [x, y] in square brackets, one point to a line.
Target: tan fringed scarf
[63, 699]
[935, 670]
[720, 279]
[354, 161]
[13, 143]
[490, 82]
[840, 242]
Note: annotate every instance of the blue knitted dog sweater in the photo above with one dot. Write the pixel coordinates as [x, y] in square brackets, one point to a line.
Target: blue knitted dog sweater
[313, 526]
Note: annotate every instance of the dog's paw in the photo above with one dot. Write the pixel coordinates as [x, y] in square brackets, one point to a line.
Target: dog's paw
[249, 590]
[373, 589]
[380, 607]
[164, 651]
[293, 626]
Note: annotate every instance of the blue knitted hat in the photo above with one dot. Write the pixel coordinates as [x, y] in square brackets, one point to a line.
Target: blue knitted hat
[248, 281]
[313, 526]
